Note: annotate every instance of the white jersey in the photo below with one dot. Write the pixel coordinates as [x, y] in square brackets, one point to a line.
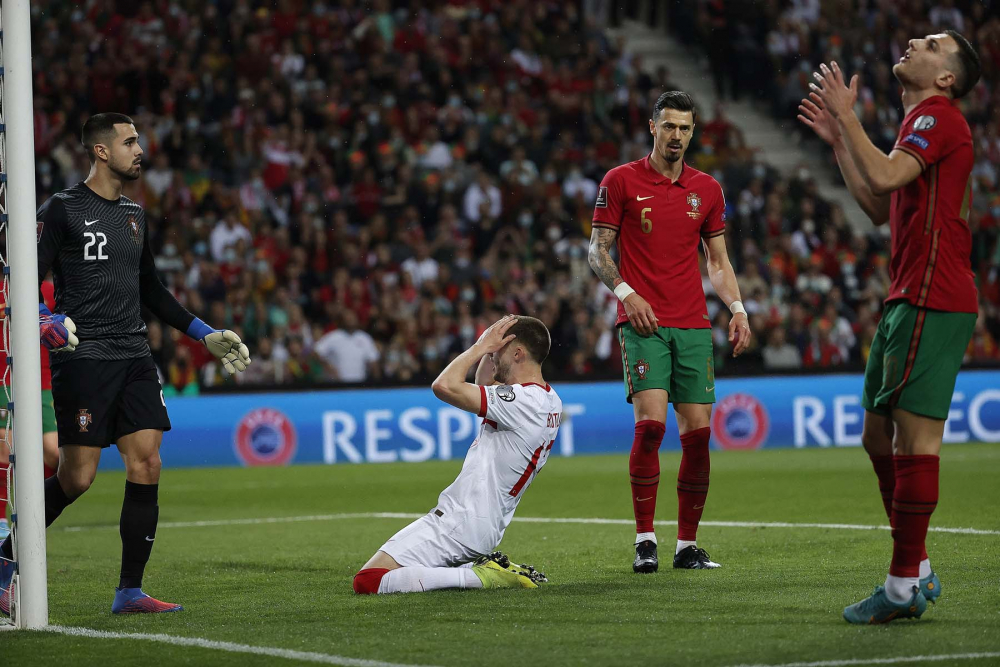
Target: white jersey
[520, 423]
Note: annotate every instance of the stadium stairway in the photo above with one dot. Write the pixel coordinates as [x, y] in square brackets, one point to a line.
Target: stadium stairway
[776, 140]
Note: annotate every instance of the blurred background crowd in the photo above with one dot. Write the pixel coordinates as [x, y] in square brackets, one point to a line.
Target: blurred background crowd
[359, 188]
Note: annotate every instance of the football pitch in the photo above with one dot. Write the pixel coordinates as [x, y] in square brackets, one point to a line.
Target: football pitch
[262, 560]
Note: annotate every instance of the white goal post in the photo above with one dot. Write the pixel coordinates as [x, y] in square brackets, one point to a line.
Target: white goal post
[17, 161]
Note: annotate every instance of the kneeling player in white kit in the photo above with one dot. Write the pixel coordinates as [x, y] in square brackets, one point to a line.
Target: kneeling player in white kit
[451, 546]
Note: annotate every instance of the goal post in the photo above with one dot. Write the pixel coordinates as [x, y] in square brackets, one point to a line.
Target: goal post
[17, 152]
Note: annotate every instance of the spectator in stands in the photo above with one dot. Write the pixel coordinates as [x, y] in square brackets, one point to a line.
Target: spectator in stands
[779, 354]
[348, 354]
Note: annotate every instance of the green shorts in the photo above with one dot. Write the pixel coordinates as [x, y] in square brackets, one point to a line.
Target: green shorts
[48, 412]
[914, 360]
[677, 360]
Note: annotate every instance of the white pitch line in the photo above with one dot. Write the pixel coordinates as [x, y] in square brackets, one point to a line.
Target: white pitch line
[880, 661]
[228, 647]
[529, 519]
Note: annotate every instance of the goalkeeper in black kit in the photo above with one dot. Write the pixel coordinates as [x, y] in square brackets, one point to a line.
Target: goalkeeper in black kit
[104, 382]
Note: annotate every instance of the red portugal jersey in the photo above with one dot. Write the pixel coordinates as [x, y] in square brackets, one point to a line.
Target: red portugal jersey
[930, 265]
[660, 224]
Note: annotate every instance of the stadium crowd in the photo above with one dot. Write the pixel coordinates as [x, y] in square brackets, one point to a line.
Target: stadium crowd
[359, 193]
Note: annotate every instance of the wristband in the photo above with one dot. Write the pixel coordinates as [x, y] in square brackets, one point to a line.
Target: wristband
[623, 290]
[198, 329]
[736, 307]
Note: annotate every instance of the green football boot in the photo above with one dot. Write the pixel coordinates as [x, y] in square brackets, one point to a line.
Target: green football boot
[494, 576]
[880, 609]
[930, 586]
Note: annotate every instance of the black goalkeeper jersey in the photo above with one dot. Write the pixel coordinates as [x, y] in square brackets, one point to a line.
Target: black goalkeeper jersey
[103, 271]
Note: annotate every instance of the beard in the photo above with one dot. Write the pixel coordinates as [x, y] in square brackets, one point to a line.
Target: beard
[501, 372]
[129, 173]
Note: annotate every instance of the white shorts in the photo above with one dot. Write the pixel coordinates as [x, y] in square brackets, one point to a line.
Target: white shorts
[426, 542]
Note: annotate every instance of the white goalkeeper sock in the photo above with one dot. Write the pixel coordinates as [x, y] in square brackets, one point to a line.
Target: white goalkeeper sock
[420, 579]
[925, 568]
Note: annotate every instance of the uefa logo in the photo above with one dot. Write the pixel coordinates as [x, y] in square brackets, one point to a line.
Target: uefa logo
[740, 421]
[265, 437]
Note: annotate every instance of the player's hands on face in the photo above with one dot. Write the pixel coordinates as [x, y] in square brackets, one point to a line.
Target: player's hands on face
[834, 94]
[739, 333]
[640, 315]
[813, 115]
[228, 348]
[495, 337]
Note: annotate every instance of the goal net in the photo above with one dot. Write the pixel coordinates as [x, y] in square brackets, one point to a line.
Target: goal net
[20, 404]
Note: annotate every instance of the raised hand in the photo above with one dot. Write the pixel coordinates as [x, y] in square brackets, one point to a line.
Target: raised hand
[819, 120]
[495, 337]
[834, 94]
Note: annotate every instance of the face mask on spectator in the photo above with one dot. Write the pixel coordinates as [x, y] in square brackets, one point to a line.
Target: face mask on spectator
[525, 219]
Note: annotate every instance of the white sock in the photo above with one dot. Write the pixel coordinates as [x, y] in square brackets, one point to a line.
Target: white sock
[925, 568]
[642, 537]
[684, 544]
[420, 579]
[900, 589]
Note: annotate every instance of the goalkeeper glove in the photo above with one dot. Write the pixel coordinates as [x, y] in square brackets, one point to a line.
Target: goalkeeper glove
[58, 333]
[224, 344]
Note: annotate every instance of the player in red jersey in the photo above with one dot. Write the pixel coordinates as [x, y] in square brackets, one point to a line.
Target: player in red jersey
[50, 437]
[659, 210]
[923, 189]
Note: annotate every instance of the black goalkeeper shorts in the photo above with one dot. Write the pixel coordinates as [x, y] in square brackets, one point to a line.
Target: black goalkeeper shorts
[98, 401]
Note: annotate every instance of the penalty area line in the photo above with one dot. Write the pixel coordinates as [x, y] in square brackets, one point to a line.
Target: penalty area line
[528, 519]
[880, 661]
[227, 647]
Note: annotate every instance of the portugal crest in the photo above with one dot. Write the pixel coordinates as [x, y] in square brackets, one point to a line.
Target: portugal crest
[694, 201]
[133, 226]
[641, 368]
[84, 419]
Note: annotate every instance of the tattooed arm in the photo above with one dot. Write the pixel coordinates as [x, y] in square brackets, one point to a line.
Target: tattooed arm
[640, 314]
[601, 241]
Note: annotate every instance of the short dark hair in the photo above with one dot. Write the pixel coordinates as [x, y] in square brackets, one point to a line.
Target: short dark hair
[969, 66]
[674, 99]
[100, 129]
[533, 335]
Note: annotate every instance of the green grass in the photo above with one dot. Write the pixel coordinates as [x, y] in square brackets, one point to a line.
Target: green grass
[777, 599]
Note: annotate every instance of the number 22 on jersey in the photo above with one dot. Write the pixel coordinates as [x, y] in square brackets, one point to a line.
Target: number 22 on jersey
[94, 248]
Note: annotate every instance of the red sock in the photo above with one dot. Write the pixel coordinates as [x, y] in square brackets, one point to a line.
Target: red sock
[644, 469]
[366, 581]
[692, 482]
[886, 473]
[913, 502]
[49, 471]
[885, 470]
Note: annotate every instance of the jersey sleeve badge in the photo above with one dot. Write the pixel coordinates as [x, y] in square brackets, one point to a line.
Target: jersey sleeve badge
[602, 197]
[505, 393]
